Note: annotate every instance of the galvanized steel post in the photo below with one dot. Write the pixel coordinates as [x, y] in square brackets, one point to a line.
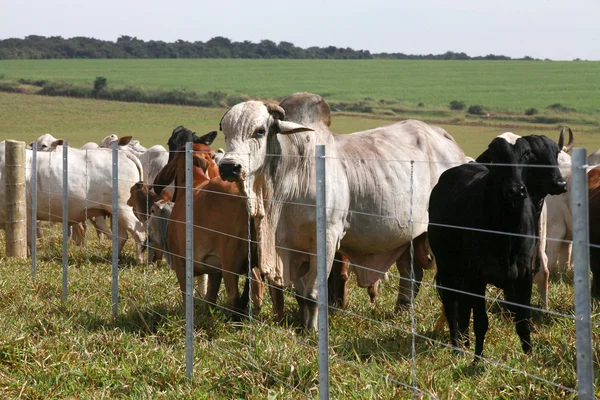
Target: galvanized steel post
[323, 321]
[65, 215]
[115, 229]
[189, 262]
[33, 209]
[581, 261]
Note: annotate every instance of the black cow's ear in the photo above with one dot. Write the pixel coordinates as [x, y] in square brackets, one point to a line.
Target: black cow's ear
[206, 139]
[485, 157]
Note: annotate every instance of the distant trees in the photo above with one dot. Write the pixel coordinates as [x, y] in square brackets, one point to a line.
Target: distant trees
[41, 47]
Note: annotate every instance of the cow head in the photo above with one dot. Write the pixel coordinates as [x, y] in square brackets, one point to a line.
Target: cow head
[545, 178]
[506, 155]
[181, 135]
[247, 128]
[47, 142]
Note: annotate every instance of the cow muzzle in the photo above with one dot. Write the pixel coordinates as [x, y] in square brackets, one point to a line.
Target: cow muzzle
[558, 187]
[231, 172]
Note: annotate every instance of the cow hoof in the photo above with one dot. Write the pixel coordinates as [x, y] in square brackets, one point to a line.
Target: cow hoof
[402, 305]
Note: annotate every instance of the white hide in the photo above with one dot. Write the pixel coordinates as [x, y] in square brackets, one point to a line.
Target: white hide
[369, 177]
[92, 190]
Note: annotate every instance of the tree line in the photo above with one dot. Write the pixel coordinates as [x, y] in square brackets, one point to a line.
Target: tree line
[40, 47]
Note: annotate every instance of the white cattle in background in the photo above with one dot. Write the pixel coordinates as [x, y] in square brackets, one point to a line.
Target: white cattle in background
[47, 142]
[96, 184]
[153, 159]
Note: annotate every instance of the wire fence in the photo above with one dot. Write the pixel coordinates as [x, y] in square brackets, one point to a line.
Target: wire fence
[74, 187]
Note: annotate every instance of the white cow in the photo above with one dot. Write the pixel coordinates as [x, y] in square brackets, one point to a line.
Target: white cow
[369, 177]
[556, 227]
[47, 142]
[153, 159]
[96, 185]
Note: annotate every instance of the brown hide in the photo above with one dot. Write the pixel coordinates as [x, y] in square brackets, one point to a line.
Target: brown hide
[141, 199]
[220, 230]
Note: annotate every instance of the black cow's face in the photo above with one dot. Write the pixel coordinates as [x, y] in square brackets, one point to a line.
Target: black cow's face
[506, 157]
[181, 135]
[544, 177]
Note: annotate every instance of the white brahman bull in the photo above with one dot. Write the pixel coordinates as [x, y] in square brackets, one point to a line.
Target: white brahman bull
[96, 185]
[153, 159]
[369, 176]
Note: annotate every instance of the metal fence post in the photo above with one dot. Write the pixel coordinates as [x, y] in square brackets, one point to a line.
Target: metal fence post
[115, 229]
[33, 209]
[581, 261]
[65, 214]
[323, 321]
[189, 263]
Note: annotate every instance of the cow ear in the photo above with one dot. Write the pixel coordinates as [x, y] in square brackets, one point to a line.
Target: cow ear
[124, 140]
[276, 111]
[485, 157]
[57, 143]
[286, 127]
[206, 139]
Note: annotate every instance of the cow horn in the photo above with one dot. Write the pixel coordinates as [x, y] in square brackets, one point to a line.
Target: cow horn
[561, 139]
[221, 121]
[276, 111]
[569, 145]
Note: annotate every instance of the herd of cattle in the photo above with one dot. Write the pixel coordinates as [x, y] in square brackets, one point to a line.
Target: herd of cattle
[391, 192]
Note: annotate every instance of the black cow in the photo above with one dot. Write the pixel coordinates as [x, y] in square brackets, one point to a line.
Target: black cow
[181, 135]
[497, 246]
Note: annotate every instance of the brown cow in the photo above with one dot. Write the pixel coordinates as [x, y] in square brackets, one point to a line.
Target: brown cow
[220, 244]
[142, 199]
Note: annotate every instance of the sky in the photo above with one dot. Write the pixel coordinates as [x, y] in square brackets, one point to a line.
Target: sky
[555, 29]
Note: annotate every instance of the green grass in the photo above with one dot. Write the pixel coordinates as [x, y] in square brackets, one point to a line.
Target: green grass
[51, 349]
[25, 117]
[499, 85]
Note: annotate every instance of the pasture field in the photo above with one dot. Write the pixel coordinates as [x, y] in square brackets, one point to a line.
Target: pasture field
[51, 349]
[25, 117]
[500, 85]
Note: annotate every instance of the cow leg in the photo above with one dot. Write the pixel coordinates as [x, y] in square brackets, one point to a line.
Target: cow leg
[258, 289]
[405, 288]
[278, 302]
[78, 233]
[441, 321]
[336, 283]
[541, 280]
[100, 226]
[373, 291]
[202, 285]
[212, 290]
[128, 222]
[480, 319]
[464, 318]
[520, 292]
[450, 304]
[310, 295]
[233, 294]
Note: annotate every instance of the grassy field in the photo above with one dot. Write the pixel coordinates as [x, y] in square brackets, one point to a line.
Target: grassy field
[51, 349]
[25, 117]
[500, 85]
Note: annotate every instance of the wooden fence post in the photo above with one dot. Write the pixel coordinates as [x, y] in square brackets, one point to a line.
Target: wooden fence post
[16, 206]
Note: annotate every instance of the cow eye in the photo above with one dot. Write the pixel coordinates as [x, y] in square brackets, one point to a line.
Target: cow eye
[260, 132]
[44, 146]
